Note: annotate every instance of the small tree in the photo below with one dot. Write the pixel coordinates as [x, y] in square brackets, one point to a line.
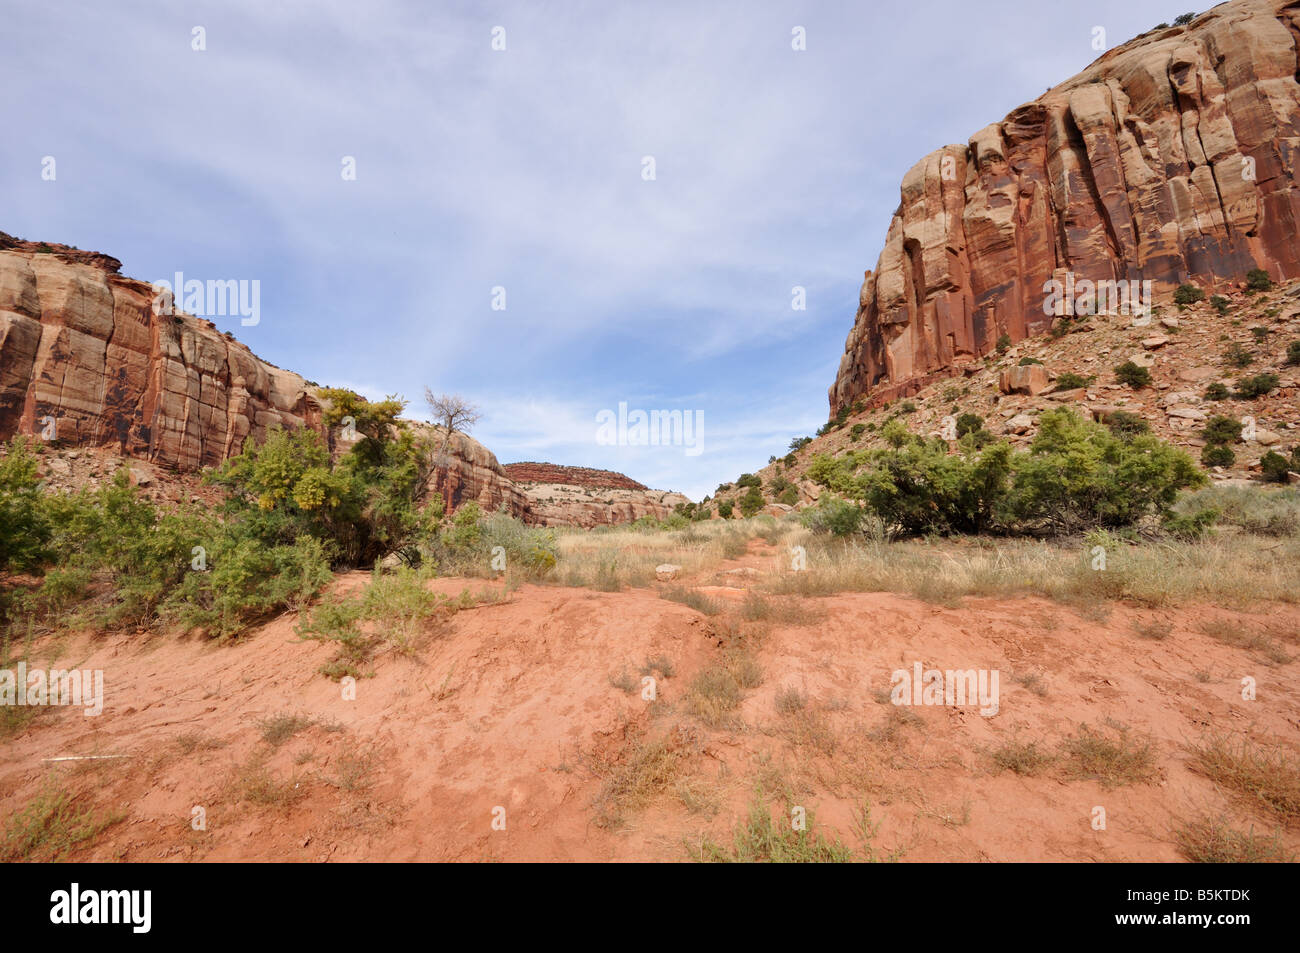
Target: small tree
[455, 415]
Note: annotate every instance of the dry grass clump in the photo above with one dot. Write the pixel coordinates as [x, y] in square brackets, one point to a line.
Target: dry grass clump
[1022, 757]
[1212, 840]
[51, 825]
[1270, 777]
[1113, 760]
[652, 768]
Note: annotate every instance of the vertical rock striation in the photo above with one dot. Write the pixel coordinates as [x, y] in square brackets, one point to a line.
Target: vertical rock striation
[1171, 158]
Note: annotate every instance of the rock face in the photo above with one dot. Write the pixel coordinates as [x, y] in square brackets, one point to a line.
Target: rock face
[577, 496]
[471, 472]
[1171, 158]
[81, 344]
[573, 476]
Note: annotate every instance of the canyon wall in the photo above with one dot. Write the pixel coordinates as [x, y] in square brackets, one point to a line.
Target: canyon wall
[1171, 158]
[81, 344]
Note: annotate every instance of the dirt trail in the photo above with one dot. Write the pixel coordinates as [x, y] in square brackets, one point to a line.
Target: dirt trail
[514, 706]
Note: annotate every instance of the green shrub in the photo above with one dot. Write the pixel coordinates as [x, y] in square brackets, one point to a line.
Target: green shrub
[1249, 388]
[1221, 430]
[1004, 342]
[789, 496]
[833, 515]
[1028, 361]
[751, 502]
[1217, 391]
[969, 423]
[1078, 475]
[1238, 356]
[1257, 279]
[1134, 375]
[725, 509]
[1293, 352]
[1188, 294]
[24, 523]
[1217, 455]
[857, 431]
[747, 480]
[1220, 304]
[1072, 381]
[1274, 467]
[1125, 424]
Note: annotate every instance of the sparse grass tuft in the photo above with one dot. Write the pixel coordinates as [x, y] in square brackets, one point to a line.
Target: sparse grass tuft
[51, 825]
[1024, 758]
[692, 598]
[1211, 840]
[1111, 760]
[1268, 776]
[278, 729]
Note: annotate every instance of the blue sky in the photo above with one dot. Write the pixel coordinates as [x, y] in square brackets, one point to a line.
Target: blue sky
[522, 169]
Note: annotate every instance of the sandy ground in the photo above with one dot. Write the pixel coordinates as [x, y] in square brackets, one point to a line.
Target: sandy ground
[513, 706]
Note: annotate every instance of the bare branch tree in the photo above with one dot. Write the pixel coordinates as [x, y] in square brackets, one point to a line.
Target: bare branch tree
[455, 415]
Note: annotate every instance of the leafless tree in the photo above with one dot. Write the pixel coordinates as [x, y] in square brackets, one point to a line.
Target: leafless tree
[455, 415]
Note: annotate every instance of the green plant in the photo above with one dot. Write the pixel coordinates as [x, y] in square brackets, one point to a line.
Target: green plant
[1249, 388]
[1125, 424]
[1238, 356]
[1257, 279]
[1217, 391]
[1072, 381]
[1134, 375]
[1220, 304]
[1274, 467]
[1217, 455]
[725, 509]
[833, 515]
[1004, 342]
[751, 502]
[1293, 352]
[1188, 294]
[1221, 430]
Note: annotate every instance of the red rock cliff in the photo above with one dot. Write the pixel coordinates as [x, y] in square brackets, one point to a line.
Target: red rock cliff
[80, 343]
[1171, 158]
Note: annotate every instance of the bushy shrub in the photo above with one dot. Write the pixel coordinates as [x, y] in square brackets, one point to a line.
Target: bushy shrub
[1078, 474]
[1188, 294]
[969, 423]
[1217, 455]
[747, 480]
[725, 508]
[856, 431]
[1274, 467]
[752, 501]
[1220, 304]
[1125, 424]
[1134, 375]
[1217, 391]
[24, 526]
[1221, 430]
[1004, 342]
[1293, 352]
[833, 515]
[1257, 279]
[1238, 356]
[1250, 388]
[1071, 381]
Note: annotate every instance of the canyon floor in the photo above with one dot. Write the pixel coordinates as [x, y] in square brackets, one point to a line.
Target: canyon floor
[527, 711]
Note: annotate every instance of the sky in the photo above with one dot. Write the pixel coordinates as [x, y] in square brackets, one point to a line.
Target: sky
[557, 208]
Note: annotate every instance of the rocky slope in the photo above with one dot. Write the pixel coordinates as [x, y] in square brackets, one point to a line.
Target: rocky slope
[1171, 158]
[81, 344]
[1186, 350]
[578, 496]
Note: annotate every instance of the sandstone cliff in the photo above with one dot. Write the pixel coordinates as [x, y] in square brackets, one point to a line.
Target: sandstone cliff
[578, 496]
[81, 344]
[1171, 158]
